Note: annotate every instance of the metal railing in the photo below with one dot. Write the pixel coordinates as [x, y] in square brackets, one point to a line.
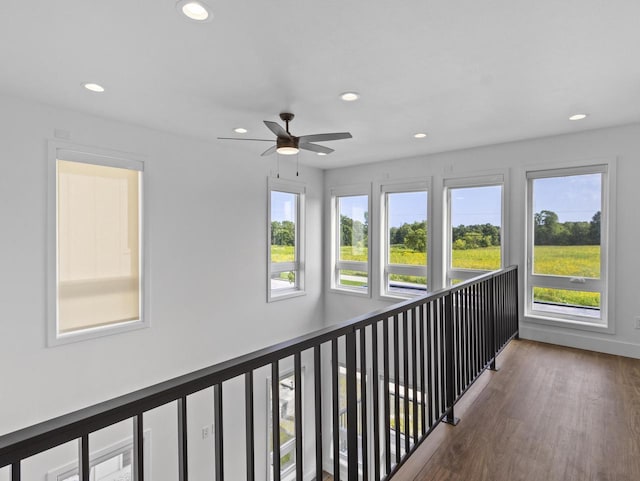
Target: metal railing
[406, 367]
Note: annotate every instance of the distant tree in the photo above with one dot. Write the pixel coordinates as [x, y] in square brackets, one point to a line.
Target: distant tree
[283, 233]
[416, 240]
[594, 229]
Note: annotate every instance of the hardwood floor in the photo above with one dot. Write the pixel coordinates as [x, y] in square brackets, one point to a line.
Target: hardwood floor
[550, 414]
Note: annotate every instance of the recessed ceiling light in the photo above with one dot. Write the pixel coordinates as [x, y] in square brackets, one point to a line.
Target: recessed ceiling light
[240, 130]
[94, 87]
[322, 153]
[578, 116]
[194, 10]
[420, 135]
[350, 96]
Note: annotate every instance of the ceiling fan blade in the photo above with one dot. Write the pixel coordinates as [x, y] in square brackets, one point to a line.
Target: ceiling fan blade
[315, 148]
[269, 151]
[238, 138]
[277, 129]
[325, 137]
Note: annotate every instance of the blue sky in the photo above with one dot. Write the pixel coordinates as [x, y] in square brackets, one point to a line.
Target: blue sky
[574, 198]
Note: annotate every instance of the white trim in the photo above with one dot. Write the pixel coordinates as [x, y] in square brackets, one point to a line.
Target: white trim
[108, 158]
[101, 455]
[335, 193]
[384, 267]
[498, 179]
[605, 284]
[298, 266]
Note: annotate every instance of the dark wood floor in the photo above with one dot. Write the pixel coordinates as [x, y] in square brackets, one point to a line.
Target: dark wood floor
[549, 414]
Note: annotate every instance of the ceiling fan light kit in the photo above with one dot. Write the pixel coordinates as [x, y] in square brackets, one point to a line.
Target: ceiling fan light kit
[287, 144]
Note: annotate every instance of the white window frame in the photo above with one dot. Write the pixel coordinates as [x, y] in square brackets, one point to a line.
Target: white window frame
[402, 269]
[108, 158]
[453, 183]
[298, 266]
[104, 454]
[289, 446]
[336, 264]
[604, 285]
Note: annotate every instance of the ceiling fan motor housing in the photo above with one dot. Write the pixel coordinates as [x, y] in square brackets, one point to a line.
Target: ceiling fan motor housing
[284, 142]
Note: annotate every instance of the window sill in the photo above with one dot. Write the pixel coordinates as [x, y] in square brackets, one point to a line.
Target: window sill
[349, 292]
[95, 332]
[286, 295]
[548, 319]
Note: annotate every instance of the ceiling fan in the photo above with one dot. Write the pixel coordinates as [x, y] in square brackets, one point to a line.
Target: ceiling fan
[287, 144]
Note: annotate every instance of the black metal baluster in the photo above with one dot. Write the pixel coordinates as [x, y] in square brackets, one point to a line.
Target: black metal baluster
[363, 403]
[449, 347]
[405, 378]
[275, 418]
[84, 463]
[492, 325]
[387, 407]
[336, 409]
[375, 422]
[352, 406]
[423, 366]
[317, 381]
[138, 448]
[396, 372]
[15, 471]
[442, 342]
[414, 372]
[249, 426]
[457, 336]
[183, 467]
[431, 391]
[218, 440]
[297, 362]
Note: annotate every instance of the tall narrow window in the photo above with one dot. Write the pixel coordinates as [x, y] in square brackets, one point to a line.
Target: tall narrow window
[351, 243]
[405, 240]
[98, 255]
[474, 227]
[567, 256]
[287, 423]
[286, 216]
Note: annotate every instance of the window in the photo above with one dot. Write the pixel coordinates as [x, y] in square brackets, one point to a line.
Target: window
[342, 417]
[474, 231]
[351, 242]
[567, 244]
[286, 246]
[405, 240]
[113, 463]
[96, 230]
[287, 424]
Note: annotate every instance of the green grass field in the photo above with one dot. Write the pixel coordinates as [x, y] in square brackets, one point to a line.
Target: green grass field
[574, 261]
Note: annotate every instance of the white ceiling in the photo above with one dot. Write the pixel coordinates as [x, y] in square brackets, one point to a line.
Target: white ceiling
[467, 72]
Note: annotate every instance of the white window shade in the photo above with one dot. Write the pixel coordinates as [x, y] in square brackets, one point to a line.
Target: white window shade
[98, 246]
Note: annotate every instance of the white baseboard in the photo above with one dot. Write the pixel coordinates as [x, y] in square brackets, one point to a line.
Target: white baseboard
[580, 341]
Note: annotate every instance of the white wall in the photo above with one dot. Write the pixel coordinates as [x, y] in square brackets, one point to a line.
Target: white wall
[513, 159]
[207, 232]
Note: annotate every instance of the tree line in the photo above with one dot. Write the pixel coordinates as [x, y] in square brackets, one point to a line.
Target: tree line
[550, 232]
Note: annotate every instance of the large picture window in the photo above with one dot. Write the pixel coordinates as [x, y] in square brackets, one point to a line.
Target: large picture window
[405, 239]
[350, 214]
[474, 227]
[96, 220]
[567, 244]
[285, 233]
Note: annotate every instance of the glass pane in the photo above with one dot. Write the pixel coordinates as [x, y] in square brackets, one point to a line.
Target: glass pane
[407, 228]
[566, 301]
[287, 415]
[348, 278]
[566, 221]
[98, 245]
[284, 216]
[283, 280]
[354, 228]
[476, 227]
[403, 284]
